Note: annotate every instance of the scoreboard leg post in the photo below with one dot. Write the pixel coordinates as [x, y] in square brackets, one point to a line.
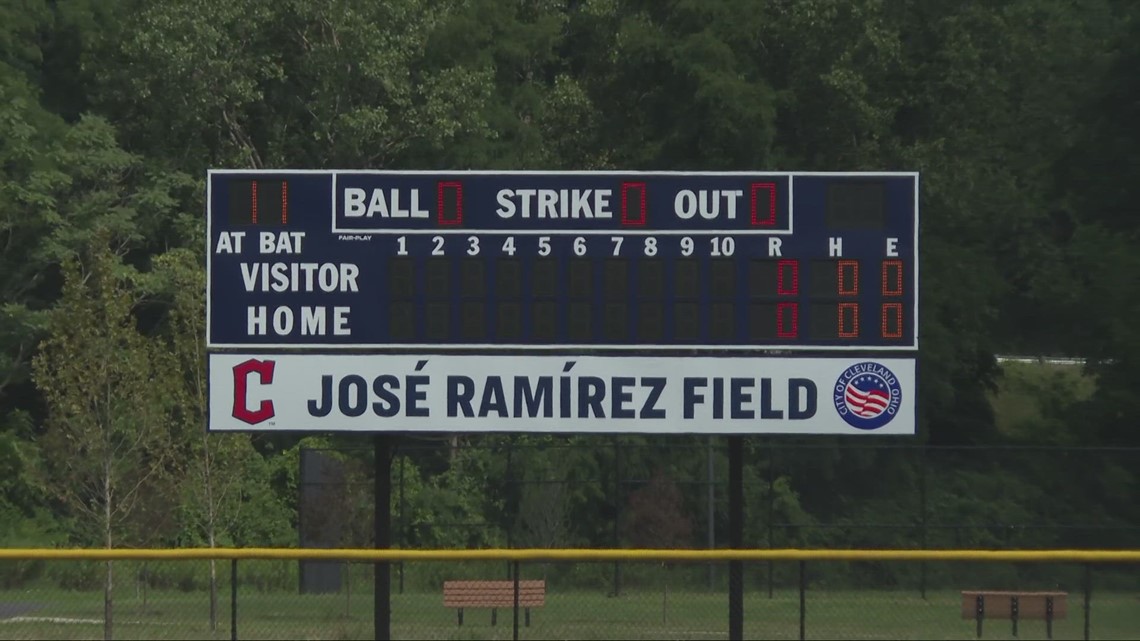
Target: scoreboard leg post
[382, 607]
[735, 536]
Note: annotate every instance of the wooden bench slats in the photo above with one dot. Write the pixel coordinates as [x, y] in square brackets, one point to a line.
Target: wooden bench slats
[483, 584]
[493, 594]
[506, 601]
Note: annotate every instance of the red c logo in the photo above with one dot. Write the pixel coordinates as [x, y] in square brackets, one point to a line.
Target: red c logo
[264, 371]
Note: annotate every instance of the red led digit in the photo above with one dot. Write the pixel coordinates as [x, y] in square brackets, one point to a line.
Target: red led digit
[788, 271]
[787, 320]
[892, 320]
[848, 320]
[446, 192]
[253, 201]
[633, 198]
[848, 286]
[892, 278]
[763, 204]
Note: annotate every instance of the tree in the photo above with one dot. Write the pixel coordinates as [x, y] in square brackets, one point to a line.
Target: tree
[543, 510]
[263, 83]
[107, 391]
[219, 469]
[656, 519]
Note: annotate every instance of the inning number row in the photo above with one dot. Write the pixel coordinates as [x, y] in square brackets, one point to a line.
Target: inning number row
[718, 246]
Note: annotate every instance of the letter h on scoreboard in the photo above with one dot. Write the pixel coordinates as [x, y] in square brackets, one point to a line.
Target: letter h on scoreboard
[259, 202]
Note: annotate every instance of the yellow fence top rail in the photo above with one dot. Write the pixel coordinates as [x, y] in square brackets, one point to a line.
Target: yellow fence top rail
[642, 555]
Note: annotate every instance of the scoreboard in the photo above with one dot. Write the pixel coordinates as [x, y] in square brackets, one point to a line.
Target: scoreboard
[480, 260]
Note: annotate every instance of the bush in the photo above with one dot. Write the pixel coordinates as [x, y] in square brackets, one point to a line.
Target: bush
[81, 576]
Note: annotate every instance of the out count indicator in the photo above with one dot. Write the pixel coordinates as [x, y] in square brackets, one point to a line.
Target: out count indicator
[574, 260]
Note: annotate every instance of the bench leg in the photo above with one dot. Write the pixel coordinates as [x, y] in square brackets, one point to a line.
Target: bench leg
[527, 616]
[494, 615]
[980, 612]
[1049, 617]
[1013, 613]
[460, 610]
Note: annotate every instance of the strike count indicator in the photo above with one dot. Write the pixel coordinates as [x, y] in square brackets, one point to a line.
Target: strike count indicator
[578, 260]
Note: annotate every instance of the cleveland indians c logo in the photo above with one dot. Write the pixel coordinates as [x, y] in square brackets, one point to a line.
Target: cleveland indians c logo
[264, 371]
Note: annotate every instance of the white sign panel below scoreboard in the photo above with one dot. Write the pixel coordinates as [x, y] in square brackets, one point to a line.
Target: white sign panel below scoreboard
[584, 394]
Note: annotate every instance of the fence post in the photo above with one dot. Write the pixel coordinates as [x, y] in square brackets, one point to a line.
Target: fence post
[1088, 597]
[803, 599]
[233, 599]
[922, 517]
[516, 624]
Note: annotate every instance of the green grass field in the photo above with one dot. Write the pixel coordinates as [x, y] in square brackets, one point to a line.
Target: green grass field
[567, 615]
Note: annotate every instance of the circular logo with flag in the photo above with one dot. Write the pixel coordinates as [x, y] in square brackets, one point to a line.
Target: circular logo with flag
[867, 395]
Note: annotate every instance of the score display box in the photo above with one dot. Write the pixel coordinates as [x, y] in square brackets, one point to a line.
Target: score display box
[328, 260]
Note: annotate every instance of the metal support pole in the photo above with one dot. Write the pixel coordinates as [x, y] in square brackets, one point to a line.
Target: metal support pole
[382, 605]
[735, 536]
[233, 599]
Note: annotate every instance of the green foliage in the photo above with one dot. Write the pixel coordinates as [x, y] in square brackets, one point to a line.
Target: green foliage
[81, 576]
[1038, 403]
[20, 530]
[105, 442]
[446, 510]
[264, 83]
[1021, 117]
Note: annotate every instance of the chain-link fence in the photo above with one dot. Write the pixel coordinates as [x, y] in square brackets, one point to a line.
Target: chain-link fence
[516, 491]
[45, 598]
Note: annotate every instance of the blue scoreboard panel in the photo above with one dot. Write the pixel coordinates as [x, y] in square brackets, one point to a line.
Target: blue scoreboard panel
[459, 260]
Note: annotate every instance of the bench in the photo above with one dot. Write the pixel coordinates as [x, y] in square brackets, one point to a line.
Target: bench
[494, 595]
[1015, 605]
